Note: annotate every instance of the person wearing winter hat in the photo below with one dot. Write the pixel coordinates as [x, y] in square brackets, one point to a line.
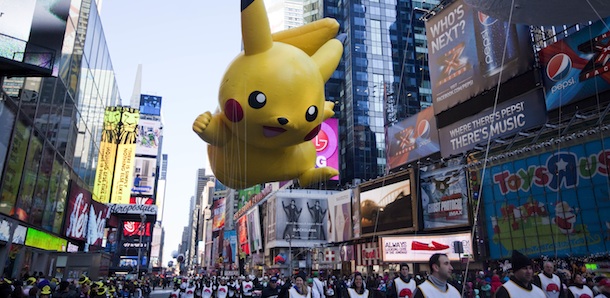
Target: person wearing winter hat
[549, 282]
[520, 284]
[436, 285]
[403, 286]
[300, 289]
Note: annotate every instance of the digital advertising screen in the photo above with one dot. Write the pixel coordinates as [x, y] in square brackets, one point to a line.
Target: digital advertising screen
[576, 67]
[386, 204]
[412, 138]
[444, 198]
[466, 51]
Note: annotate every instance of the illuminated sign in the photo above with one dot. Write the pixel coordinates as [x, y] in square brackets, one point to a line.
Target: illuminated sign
[45, 241]
[125, 157]
[421, 248]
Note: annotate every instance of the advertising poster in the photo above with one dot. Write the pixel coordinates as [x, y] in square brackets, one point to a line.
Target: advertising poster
[242, 235]
[271, 227]
[327, 144]
[553, 204]
[444, 198]
[111, 240]
[144, 176]
[421, 248]
[386, 204]
[466, 50]
[15, 26]
[412, 138]
[150, 105]
[576, 67]
[301, 218]
[246, 194]
[230, 246]
[98, 213]
[48, 29]
[77, 215]
[123, 169]
[254, 229]
[521, 113]
[340, 216]
[18, 234]
[149, 134]
[141, 201]
[219, 214]
[107, 154]
[135, 228]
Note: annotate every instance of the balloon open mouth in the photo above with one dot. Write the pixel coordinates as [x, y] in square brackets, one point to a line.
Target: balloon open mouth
[270, 131]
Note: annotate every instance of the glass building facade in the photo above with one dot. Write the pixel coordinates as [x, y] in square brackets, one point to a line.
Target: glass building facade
[382, 78]
[51, 126]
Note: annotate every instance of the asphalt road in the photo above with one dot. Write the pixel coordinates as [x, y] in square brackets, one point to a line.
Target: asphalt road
[160, 293]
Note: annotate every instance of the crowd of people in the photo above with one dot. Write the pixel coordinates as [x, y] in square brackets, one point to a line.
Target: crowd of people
[518, 281]
[38, 286]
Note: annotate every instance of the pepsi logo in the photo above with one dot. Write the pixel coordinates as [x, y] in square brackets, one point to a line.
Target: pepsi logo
[559, 67]
[486, 20]
[423, 129]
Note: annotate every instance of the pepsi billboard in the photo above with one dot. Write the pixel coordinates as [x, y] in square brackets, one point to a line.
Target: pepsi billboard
[552, 204]
[577, 66]
[521, 113]
[468, 50]
[412, 138]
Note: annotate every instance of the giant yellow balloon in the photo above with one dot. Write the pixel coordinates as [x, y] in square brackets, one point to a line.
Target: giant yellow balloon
[271, 103]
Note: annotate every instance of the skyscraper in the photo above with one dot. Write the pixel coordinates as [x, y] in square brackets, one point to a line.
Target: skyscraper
[382, 78]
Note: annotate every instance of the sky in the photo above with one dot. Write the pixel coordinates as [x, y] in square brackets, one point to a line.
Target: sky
[184, 48]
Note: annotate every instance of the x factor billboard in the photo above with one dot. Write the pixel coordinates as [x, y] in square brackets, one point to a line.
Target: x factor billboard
[412, 138]
[468, 50]
[577, 66]
[553, 204]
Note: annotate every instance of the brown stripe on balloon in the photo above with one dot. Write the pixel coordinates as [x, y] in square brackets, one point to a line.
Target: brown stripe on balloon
[245, 4]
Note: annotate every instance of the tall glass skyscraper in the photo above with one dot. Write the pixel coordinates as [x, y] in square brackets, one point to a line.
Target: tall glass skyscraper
[51, 126]
[382, 79]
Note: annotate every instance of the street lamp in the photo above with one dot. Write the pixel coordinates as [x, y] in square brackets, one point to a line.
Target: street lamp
[141, 232]
[289, 240]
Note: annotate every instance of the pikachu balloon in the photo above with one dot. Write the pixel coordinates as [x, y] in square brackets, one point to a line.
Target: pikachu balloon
[271, 103]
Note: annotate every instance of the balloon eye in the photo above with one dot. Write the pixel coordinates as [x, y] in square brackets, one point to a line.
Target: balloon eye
[257, 99]
[312, 113]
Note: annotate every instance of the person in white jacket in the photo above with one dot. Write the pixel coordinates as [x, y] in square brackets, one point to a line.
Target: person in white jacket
[300, 288]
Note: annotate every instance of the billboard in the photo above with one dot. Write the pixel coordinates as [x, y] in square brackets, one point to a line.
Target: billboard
[136, 228]
[271, 218]
[149, 134]
[42, 240]
[230, 246]
[150, 105]
[123, 169]
[77, 215]
[293, 223]
[412, 138]
[576, 67]
[107, 155]
[421, 248]
[144, 176]
[98, 213]
[219, 214]
[340, 216]
[386, 204]
[466, 50]
[18, 234]
[242, 234]
[519, 114]
[444, 198]
[244, 195]
[254, 229]
[555, 203]
[327, 144]
[32, 32]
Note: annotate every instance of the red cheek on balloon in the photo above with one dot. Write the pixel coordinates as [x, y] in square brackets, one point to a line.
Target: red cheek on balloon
[233, 110]
[313, 133]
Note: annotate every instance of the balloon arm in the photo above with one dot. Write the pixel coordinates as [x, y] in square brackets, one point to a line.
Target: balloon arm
[211, 129]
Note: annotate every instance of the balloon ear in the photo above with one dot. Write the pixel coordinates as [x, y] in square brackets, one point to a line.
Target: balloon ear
[255, 30]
